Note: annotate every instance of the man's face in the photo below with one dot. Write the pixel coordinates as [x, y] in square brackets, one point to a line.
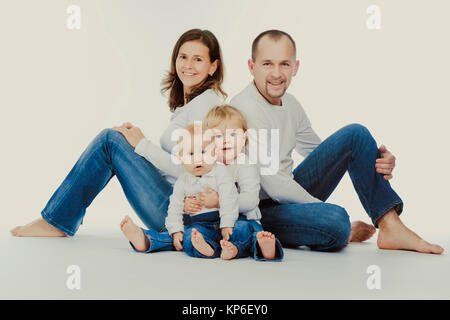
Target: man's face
[273, 67]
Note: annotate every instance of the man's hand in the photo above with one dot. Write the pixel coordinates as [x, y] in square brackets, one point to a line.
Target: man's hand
[209, 199]
[386, 163]
[177, 240]
[131, 133]
[226, 233]
[192, 205]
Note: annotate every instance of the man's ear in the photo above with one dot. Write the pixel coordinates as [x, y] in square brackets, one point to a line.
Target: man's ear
[213, 67]
[251, 66]
[297, 65]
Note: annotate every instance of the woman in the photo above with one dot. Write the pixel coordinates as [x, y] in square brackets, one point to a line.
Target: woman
[194, 85]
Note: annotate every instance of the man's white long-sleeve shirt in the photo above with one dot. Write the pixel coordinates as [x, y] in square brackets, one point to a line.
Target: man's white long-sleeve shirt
[294, 132]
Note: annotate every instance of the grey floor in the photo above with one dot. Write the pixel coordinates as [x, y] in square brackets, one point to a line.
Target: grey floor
[37, 269]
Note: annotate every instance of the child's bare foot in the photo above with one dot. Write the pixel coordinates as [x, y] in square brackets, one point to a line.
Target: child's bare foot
[37, 228]
[134, 234]
[266, 241]
[361, 231]
[200, 244]
[229, 250]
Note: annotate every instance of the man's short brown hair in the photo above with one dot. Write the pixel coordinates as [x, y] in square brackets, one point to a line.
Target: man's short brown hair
[273, 34]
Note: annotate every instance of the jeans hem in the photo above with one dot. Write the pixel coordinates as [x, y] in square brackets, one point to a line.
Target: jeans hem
[390, 206]
[56, 225]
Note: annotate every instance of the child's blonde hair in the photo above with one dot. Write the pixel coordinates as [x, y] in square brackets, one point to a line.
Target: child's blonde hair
[213, 118]
[222, 113]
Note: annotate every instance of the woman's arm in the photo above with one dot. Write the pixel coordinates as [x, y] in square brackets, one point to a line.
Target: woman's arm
[194, 110]
[159, 158]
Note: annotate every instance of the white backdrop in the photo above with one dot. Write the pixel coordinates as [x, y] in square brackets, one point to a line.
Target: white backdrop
[60, 87]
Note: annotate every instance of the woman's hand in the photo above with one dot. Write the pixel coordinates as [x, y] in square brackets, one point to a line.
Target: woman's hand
[131, 133]
[226, 233]
[192, 205]
[177, 238]
[209, 199]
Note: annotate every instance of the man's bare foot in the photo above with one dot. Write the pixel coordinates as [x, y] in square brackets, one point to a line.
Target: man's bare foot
[229, 250]
[394, 235]
[266, 241]
[200, 244]
[361, 231]
[134, 234]
[37, 228]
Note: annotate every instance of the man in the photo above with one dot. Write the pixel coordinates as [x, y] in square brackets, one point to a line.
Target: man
[293, 205]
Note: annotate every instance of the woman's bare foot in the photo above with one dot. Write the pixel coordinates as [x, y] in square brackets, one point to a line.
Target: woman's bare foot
[200, 244]
[394, 235]
[361, 231]
[229, 250]
[134, 234]
[266, 241]
[37, 228]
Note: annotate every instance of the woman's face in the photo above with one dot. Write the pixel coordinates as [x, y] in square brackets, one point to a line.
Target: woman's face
[193, 64]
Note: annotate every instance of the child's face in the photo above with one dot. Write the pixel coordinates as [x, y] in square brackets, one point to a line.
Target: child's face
[198, 156]
[229, 139]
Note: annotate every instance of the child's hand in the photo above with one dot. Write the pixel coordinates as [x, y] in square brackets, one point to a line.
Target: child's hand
[192, 205]
[177, 240]
[226, 233]
[209, 199]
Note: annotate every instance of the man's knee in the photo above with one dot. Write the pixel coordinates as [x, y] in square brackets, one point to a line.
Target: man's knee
[358, 132]
[338, 228]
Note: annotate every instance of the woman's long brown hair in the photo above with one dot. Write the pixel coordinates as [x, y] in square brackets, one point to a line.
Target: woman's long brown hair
[173, 84]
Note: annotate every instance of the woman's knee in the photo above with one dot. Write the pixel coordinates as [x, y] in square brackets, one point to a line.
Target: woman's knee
[108, 135]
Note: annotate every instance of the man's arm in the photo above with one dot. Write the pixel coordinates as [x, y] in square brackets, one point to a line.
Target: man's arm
[306, 139]
[279, 187]
[285, 190]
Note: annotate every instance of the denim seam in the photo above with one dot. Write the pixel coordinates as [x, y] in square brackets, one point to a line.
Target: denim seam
[333, 168]
[159, 194]
[358, 185]
[55, 224]
[64, 194]
[386, 209]
[309, 228]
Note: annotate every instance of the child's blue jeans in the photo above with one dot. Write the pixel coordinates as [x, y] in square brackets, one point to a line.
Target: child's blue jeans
[243, 237]
[208, 224]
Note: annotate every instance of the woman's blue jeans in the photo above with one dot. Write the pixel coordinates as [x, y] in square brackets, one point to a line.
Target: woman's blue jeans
[109, 155]
[325, 226]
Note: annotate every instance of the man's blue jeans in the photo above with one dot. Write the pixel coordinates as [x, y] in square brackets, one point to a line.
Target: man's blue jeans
[109, 155]
[325, 226]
